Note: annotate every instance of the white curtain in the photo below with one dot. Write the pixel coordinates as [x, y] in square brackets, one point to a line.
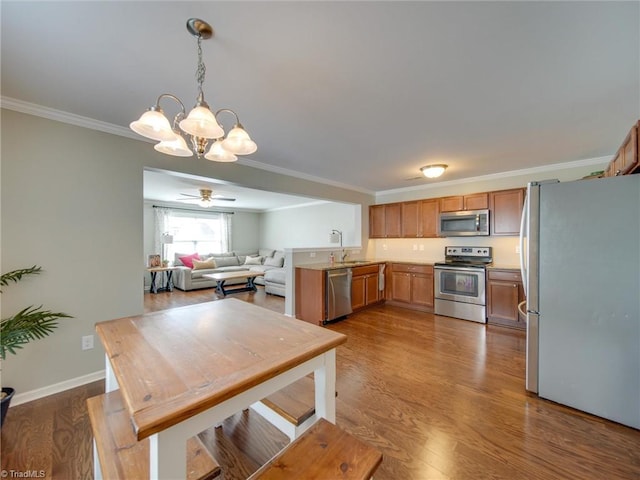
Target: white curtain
[225, 224]
[161, 223]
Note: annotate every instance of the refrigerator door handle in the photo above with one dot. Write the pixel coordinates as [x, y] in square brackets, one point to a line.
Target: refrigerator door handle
[523, 267]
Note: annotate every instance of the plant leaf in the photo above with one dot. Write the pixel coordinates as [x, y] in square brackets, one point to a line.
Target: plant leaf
[16, 275]
[28, 324]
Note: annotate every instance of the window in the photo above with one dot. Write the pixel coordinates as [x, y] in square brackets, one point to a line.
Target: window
[194, 232]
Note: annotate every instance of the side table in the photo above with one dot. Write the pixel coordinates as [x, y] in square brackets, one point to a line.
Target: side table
[166, 272]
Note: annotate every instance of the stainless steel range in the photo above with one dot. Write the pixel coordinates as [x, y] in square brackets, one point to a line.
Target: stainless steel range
[460, 283]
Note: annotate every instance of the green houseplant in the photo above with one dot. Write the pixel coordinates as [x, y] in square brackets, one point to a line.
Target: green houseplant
[29, 324]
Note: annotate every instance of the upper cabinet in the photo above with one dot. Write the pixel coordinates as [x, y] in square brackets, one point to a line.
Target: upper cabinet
[385, 220]
[420, 218]
[626, 159]
[476, 201]
[506, 211]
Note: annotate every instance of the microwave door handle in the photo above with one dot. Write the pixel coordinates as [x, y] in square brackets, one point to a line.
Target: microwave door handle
[477, 223]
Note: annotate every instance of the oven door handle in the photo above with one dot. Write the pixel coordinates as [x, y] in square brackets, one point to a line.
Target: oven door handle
[463, 269]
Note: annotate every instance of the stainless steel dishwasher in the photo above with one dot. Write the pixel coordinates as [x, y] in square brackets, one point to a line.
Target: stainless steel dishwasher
[338, 293]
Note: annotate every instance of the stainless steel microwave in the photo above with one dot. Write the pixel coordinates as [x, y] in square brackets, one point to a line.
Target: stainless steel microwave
[467, 223]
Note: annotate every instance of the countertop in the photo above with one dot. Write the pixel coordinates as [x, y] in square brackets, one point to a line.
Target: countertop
[363, 263]
[360, 263]
[336, 265]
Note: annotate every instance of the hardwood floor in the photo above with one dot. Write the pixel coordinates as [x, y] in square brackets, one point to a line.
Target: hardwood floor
[441, 398]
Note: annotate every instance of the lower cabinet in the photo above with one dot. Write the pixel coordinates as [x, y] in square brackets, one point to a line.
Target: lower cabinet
[365, 288]
[310, 291]
[411, 286]
[504, 292]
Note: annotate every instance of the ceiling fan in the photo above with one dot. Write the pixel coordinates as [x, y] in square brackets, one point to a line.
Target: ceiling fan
[205, 199]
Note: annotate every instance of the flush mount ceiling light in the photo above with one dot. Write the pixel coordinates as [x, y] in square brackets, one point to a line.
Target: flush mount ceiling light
[433, 171]
[201, 126]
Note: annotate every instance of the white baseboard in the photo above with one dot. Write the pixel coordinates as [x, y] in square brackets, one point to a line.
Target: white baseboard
[25, 397]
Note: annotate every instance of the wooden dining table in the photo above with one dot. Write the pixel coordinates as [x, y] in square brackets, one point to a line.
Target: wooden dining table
[183, 370]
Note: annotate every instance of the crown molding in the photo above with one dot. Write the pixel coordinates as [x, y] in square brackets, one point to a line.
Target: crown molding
[66, 117]
[498, 176]
[302, 176]
[86, 122]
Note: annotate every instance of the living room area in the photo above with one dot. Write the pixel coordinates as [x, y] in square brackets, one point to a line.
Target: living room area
[198, 230]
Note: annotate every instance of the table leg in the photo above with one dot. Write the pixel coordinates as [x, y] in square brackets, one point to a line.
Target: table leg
[250, 283]
[325, 383]
[154, 288]
[169, 286]
[220, 288]
[110, 381]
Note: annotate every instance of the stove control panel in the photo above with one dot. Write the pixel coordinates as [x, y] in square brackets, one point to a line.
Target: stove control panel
[468, 252]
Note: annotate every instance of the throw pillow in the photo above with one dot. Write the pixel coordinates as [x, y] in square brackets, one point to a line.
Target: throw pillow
[253, 261]
[201, 265]
[187, 260]
[274, 261]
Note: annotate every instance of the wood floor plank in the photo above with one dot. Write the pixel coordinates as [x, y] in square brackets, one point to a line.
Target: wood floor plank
[440, 398]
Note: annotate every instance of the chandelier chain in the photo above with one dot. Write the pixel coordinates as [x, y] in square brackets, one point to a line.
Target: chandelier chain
[201, 70]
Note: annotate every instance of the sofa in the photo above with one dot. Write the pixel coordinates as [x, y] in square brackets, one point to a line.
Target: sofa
[190, 270]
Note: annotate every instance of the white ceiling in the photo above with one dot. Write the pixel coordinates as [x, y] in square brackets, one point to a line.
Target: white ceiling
[358, 93]
[168, 187]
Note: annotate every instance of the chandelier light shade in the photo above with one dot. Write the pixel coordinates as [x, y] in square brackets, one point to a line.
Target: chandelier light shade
[154, 125]
[433, 171]
[176, 146]
[217, 153]
[198, 132]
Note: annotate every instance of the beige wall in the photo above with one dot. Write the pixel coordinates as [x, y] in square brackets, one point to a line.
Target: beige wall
[71, 201]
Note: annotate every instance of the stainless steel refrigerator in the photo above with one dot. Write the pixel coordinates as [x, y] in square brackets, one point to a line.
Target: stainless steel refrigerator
[580, 255]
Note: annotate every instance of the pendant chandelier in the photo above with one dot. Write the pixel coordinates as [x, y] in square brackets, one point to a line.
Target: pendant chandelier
[201, 126]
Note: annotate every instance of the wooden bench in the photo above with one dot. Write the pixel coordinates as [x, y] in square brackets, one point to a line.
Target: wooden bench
[324, 451]
[292, 409]
[122, 456]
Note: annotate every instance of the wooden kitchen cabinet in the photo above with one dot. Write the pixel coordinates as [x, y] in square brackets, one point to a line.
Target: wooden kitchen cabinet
[626, 159]
[420, 218]
[311, 292]
[504, 292]
[385, 220]
[410, 219]
[365, 286]
[506, 211]
[476, 201]
[411, 286]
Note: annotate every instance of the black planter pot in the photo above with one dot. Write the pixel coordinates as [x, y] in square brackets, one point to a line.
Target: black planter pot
[5, 403]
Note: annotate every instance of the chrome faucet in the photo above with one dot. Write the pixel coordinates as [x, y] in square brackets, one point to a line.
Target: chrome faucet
[343, 255]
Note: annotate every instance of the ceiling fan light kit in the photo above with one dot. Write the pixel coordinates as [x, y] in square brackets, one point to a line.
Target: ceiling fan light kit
[433, 171]
[205, 199]
[200, 125]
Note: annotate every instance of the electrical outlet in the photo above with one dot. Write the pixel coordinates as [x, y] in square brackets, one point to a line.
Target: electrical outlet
[312, 254]
[87, 342]
[415, 247]
[421, 248]
[384, 246]
[517, 248]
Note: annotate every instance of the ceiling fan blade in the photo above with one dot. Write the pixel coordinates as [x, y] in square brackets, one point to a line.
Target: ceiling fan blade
[224, 199]
[414, 178]
[189, 195]
[191, 200]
